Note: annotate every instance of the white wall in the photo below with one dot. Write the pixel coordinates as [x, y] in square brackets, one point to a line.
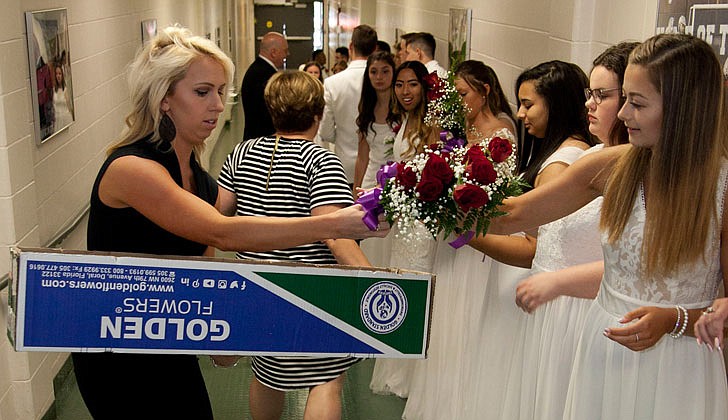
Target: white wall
[515, 34]
[45, 188]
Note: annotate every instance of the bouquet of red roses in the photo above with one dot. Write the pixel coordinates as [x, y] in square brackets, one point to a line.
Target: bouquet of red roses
[449, 187]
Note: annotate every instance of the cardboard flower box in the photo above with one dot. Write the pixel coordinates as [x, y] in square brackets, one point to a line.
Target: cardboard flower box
[81, 301]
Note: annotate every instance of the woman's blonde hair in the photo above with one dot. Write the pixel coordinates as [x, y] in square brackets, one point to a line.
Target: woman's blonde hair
[294, 98]
[162, 62]
[680, 171]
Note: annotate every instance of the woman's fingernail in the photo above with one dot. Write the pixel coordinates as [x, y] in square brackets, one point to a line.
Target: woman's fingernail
[700, 342]
[717, 344]
[606, 332]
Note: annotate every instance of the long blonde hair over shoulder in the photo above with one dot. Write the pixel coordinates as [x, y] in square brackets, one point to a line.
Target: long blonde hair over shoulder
[161, 63]
[680, 172]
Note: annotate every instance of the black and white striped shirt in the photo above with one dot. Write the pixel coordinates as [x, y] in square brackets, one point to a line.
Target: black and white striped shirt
[302, 176]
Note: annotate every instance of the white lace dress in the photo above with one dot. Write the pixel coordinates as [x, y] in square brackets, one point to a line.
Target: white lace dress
[440, 386]
[508, 340]
[393, 376]
[674, 379]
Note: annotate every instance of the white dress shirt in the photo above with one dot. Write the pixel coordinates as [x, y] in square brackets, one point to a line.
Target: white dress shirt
[338, 125]
[433, 65]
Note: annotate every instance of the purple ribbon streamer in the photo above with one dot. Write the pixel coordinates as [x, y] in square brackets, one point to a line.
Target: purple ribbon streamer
[462, 239]
[370, 202]
[388, 170]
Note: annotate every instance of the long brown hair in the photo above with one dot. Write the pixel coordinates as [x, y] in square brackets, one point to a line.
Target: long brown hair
[423, 134]
[681, 170]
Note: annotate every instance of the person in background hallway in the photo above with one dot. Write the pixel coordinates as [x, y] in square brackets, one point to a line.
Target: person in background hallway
[376, 139]
[400, 49]
[634, 359]
[314, 69]
[420, 46]
[341, 93]
[272, 54]
[338, 67]
[383, 46]
[342, 54]
[151, 196]
[305, 180]
[318, 57]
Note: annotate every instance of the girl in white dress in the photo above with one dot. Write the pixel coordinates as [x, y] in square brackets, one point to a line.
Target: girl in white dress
[551, 98]
[376, 137]
[438, 383]
[414, 248]
[633, 359]
[568, 242]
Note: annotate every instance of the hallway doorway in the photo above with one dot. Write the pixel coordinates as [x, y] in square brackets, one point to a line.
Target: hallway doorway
[297, 21]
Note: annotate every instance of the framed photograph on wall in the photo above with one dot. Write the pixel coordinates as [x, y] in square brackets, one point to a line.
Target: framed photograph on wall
[49, 59]
[458, 42]
[149, 29]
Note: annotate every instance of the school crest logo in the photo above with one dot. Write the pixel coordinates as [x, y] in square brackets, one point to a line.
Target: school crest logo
[383, 307]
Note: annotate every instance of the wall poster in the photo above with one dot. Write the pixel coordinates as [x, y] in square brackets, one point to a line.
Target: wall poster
[708, 20]
[149, 29]
[458, 42]
[49, 58]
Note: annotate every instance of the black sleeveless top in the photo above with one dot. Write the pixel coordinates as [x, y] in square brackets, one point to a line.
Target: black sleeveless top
[127, 230]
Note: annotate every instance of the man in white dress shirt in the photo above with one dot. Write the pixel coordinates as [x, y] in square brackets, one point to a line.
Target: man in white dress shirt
[421, 47]
[341, 93]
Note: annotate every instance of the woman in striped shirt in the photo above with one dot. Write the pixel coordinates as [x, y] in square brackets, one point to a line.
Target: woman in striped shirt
[288, 175]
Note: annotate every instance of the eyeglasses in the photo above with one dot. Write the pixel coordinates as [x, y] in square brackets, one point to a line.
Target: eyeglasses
[597, 94]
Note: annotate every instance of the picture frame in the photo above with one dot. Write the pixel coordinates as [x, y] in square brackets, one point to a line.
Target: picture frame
[458, 43]
[149, 30]
[51, 82]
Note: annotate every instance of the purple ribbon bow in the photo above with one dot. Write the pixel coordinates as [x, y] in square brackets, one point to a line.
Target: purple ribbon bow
[462, 239]
[370, 202]
[451, 143]
[370, 199]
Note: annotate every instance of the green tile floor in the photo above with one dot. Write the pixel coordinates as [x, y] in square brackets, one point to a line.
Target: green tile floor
[228, 393]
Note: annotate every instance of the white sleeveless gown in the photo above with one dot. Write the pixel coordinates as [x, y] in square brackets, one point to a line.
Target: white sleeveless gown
[674, 379]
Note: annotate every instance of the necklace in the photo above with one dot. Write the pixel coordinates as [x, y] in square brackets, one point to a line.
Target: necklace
[475, 136]
[272, 157]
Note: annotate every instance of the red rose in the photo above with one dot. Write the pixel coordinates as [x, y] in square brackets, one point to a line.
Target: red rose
[429, 188]
[406, 177]
[469, 196]
[499, 149]
[481, 171]
[437, 166]
[433, 81]
[474, 154]
[396, 127]
[435, 86]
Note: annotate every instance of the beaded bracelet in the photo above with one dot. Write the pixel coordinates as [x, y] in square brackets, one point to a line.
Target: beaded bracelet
[677, 322]
[684, 325]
